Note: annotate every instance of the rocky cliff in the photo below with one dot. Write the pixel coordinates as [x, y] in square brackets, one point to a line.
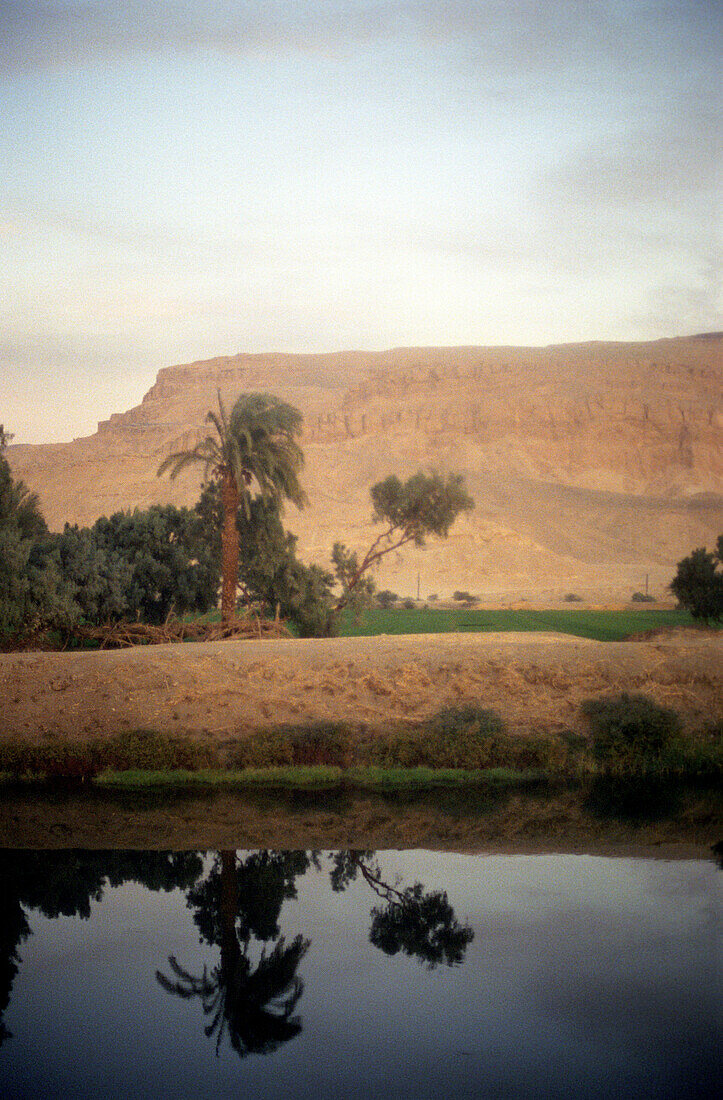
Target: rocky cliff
[591, 464]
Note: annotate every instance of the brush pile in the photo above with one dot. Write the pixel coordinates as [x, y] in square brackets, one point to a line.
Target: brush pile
[123, 635]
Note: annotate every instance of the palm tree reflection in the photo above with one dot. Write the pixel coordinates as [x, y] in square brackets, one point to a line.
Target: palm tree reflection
[255, 1005]
[238, 900]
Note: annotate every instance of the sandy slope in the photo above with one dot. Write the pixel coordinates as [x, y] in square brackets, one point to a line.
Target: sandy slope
[228, 688]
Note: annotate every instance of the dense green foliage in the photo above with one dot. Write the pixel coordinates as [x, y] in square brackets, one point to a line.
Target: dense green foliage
[270, 573]
[133, 565]
[138, 565]
[631, 733]
[33, 594]
[171, 567]
[698, 583]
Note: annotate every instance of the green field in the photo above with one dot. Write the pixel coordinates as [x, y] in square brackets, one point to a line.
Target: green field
[604, 626]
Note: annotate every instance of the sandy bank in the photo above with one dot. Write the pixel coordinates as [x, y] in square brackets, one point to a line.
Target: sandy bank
[229, 688]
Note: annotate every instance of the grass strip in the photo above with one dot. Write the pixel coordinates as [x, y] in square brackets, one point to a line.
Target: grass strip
[375, 778]
[301, 777]
[599, 625]
[419, 778]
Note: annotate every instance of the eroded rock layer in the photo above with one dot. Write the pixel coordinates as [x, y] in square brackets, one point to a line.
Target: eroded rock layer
[591, 465]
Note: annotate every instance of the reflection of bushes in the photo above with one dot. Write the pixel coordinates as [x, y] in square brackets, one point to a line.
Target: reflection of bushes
[632, 800]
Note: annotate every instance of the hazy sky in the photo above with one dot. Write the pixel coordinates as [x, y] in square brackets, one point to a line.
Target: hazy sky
[189, 179]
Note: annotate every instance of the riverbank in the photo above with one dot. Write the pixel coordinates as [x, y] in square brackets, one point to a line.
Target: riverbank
[213, 691]
[667, 820]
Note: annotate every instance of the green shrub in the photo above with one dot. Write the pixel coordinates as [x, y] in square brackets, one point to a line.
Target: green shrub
[386, 598]
[470, 737]
[146, 750]
[632, 733]
[284, 746]
[60, 759]
[404, 750]
[642, 597]
[572, 597]
[66, 759]
[467, 736]
[701, 754]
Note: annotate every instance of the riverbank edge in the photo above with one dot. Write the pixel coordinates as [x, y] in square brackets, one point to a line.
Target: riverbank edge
[291, 778]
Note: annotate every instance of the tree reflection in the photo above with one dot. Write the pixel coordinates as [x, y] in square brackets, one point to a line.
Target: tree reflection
[421, 924]
[252, 994]
[64, 883]
[239, 900]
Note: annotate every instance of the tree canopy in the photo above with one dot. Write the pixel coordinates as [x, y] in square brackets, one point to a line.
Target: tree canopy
[33, 593]
[253, 451]
[270, 573]
[698, 583]
[411, 511]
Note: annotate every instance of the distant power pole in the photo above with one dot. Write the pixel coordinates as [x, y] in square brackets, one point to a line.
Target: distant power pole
[417, 585]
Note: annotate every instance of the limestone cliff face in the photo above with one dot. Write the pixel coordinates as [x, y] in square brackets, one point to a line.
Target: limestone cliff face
[591, 464]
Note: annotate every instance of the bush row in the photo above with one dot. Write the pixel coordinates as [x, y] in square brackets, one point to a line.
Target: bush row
[630, 735]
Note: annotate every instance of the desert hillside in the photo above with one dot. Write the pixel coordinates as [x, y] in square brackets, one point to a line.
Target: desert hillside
[591, 465]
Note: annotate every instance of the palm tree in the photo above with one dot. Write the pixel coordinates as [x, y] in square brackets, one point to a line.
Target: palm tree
[253, 449]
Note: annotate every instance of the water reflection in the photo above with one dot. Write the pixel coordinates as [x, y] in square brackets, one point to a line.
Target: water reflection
[236, 900]
[420, 923]
[253, 1001]
[163, 974]
[63, 883]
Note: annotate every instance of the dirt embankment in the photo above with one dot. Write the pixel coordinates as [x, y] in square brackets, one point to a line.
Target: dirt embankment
[222, 689]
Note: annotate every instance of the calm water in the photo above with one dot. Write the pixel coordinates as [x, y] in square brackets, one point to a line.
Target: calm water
[357, 974]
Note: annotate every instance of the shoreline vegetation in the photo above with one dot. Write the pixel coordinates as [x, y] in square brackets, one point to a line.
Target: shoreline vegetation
[629, 736]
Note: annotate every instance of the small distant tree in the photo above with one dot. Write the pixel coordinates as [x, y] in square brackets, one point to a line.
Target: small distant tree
[387, 599]
[698, 583]
[411, 511]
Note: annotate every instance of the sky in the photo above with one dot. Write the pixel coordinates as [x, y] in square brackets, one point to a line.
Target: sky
[181, 180]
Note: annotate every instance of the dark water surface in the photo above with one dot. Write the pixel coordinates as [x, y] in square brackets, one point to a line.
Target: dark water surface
[417, 973]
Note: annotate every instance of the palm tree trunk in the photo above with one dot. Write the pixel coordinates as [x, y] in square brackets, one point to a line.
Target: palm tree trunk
[230, 499]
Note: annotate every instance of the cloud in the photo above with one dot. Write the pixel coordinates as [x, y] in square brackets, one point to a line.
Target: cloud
[658, 164]
[522, 34]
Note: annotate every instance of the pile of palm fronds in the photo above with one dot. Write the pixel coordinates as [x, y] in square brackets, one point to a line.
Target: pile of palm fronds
[123, 635]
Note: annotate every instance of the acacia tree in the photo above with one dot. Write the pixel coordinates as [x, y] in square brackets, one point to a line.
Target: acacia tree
[420, 923]
[411, 511]
[255, 449]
